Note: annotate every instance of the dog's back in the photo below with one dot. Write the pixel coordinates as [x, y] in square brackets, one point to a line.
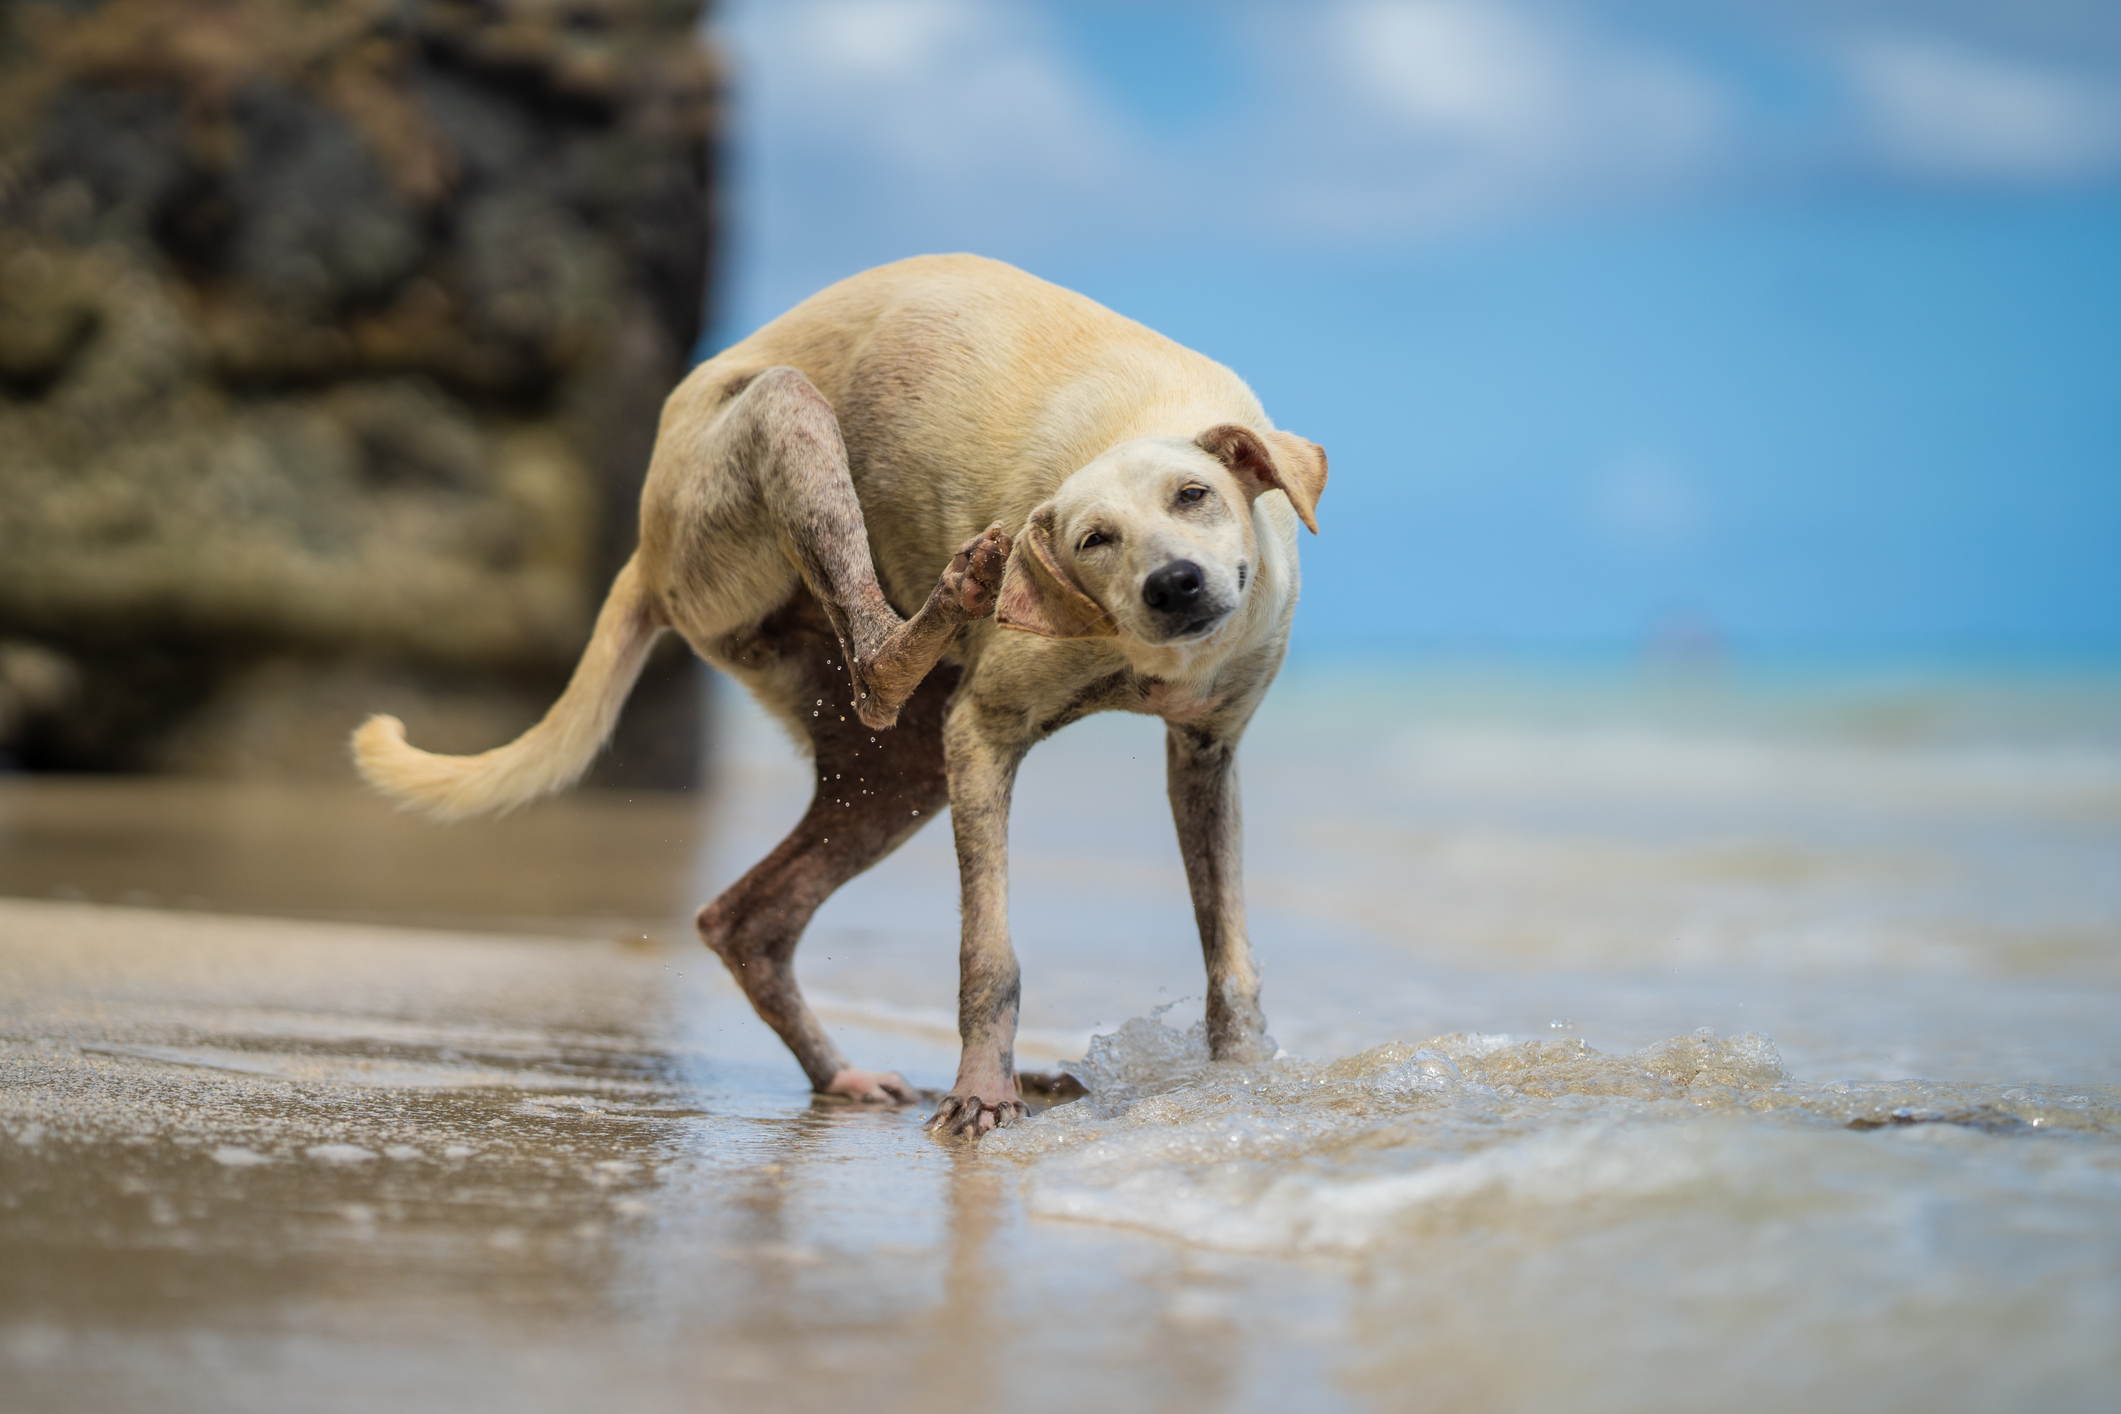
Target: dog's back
[966, 391]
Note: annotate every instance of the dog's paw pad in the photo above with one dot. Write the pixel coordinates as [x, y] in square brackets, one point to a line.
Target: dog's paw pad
[974, 577]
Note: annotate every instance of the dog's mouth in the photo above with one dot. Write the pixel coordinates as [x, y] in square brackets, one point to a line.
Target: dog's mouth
[1193, 627]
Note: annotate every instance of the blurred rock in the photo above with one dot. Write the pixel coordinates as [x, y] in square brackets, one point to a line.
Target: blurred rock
[36, 686]
[332, 339]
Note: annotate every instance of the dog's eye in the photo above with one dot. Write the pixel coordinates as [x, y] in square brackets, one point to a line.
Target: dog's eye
[1192, 493]
[1095, 537]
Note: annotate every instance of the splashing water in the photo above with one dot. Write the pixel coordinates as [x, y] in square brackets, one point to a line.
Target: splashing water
[1297, 1155]
[1898, 1244]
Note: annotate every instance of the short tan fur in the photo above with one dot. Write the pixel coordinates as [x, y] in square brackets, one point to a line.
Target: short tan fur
[1124, 500]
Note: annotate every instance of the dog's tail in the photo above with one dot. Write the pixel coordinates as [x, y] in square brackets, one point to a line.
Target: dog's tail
[550, 756]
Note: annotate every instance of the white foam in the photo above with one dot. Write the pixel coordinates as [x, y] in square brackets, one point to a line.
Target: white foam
[340, 1153]
[1301, 1155]
[236, 1157]
[1222, 1208]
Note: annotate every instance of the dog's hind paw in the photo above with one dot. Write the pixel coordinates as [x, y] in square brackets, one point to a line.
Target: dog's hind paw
[968, 1116]
[869, 1088]
[973, 578]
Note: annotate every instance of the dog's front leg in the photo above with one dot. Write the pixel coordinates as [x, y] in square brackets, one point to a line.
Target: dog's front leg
[982, 763]
[1201, 770]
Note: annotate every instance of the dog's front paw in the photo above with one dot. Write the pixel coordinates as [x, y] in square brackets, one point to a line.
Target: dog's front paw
[974, 577]
[968, 1116]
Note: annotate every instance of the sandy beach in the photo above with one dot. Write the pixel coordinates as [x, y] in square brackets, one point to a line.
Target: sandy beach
[1645, 1044]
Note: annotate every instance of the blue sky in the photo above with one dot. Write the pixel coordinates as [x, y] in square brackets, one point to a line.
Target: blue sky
[1793, 325]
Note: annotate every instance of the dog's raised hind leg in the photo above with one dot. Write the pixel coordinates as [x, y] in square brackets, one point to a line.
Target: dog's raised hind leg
[807, 486]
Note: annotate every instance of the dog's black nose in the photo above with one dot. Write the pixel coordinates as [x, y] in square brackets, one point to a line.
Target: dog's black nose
[1173, 588]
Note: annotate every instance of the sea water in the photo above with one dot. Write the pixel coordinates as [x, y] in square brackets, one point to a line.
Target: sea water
[1641, 1038]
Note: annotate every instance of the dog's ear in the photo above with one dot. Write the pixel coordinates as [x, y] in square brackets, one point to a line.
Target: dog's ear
[1282, 461]
[1038, 596]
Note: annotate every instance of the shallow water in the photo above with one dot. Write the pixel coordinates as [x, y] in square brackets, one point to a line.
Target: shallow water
[1645, 1044]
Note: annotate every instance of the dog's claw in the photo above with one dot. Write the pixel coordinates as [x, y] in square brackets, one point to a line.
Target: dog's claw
[968, 1116]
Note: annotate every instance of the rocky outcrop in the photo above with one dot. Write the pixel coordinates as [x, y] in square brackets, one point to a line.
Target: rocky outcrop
[332, 338]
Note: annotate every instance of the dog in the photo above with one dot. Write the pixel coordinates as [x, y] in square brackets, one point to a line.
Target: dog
[1116, 521]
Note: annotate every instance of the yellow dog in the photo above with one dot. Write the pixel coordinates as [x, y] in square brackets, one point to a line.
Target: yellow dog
[808, 481]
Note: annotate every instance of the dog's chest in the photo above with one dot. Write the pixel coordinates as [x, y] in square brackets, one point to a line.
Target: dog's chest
[1181, 704]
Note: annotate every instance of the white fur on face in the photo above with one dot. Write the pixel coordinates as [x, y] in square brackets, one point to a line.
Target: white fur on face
[1148, 504]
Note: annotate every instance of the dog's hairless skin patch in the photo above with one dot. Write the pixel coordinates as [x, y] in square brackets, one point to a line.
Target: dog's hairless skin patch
[1116, 521]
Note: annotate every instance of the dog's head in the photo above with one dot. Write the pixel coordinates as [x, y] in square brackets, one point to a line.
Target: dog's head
[1154, 539]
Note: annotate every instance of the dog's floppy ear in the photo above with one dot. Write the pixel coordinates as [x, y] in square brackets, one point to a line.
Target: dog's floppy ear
[1282, 461]
[1040, 597]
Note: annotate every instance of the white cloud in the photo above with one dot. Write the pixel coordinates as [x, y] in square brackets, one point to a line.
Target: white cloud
[1467, 70]
[1448, 109]
[1367, 118]
[890, 40]
[872, 128]
[1501, 78]
[950, 93]
[1943, 110]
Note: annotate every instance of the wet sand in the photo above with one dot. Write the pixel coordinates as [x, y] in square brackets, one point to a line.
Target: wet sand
[325, 1160]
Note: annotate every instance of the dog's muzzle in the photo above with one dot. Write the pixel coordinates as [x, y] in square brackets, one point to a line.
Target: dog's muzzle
[1178, 595]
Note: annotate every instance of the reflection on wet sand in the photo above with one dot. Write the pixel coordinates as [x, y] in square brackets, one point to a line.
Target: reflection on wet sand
[210, 1111]
[594, 863]
[250, 1163]
[964, 1363]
